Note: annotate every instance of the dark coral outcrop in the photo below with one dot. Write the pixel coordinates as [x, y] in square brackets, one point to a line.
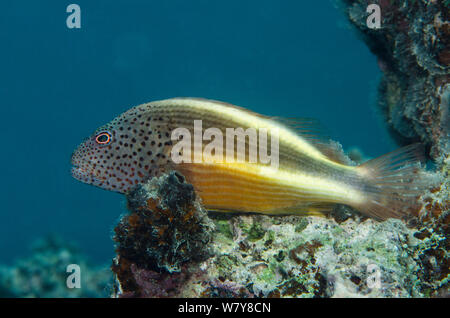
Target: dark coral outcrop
[166, 229]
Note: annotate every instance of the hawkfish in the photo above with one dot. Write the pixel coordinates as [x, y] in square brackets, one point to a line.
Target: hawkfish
[309, 177]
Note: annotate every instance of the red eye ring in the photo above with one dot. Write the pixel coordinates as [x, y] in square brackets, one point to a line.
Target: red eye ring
[103, 138]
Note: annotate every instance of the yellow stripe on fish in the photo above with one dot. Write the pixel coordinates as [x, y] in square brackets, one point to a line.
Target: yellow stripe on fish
[244, 188]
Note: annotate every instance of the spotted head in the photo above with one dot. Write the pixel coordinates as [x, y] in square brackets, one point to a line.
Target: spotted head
[125, 152]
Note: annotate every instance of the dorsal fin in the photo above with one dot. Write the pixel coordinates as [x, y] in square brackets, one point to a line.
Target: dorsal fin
[308, 128]
[311, 130]
[333, 151]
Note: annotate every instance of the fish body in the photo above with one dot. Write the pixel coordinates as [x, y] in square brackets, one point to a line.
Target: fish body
[140, 144]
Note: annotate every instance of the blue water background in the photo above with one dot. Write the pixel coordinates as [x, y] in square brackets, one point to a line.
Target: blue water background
[57, 85]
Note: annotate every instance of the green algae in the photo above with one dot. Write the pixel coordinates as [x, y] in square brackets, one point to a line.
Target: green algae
[225, 264]
[301, 225]
[224, 228]
[255, 232]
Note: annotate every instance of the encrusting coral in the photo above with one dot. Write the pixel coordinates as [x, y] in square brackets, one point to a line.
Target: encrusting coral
[413, 50]
[434, 231]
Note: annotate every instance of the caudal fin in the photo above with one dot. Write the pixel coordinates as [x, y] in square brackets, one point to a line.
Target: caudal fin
[393, 183]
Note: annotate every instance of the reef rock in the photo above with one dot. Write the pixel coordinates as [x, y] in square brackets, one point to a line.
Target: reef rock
[168, 246]
[44, 273]
[413, 50]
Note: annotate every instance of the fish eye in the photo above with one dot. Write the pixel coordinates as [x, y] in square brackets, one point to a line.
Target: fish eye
[103, 138]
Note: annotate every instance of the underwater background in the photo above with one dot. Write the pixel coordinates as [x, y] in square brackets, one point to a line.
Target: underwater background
[57, 85]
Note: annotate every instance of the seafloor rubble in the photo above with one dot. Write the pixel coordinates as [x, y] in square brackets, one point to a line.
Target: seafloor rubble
[43, 273]
[413, 50]
[167, 246]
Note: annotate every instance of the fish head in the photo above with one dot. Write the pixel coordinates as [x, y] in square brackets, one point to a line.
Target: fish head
[94, 160]
[117, 156]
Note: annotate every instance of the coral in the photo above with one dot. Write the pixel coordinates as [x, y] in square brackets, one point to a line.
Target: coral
[413, 48]
[432, 255]
[43, 273]
[166, 228]
[316, 257]
[434, 231]
[265, 256]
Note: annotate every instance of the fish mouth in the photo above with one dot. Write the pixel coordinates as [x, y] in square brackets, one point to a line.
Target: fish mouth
[85, 175]
[76, 171]
[80, 173]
